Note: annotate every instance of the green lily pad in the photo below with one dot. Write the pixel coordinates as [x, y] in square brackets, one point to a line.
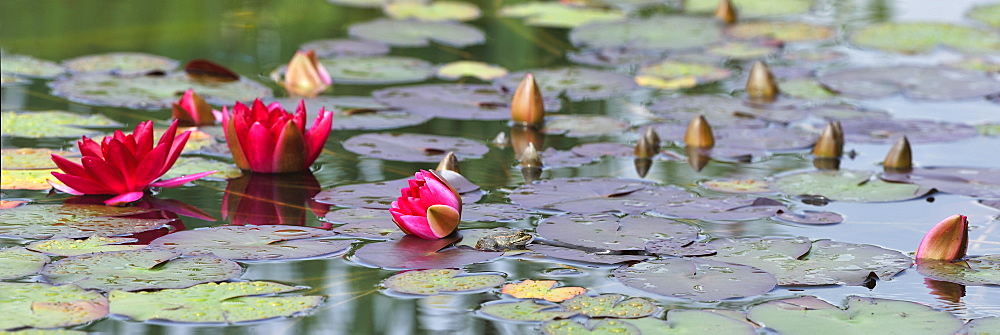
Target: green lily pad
[805, 88]
[271, 242]
[558, 15]
[809, 315]
[71, 247]
[135, 270]
[611, 305]
[27, 66]
[609, 232]
[153, 92]
[695, 279]
[39, 124]
[986, 13]
[26, 179]
[785, 31]
[120, 63]
[967, 181]
[454, 101]
[45, 306]
[213, 303]
[982, 270]
[743, 51]
[752, 8]
[916, 82]
[74, 221]
[191, 165]
[370, 70]
[417, 34]
[17, 262]
[595, 327]
[437, 11]
[801, 262]
[466, 68]
[679, 321]
[342, 47]
[670, 74]
[577, 83]
[413, 147]
[652, 33]
[920, 37]
[437, 281]
[737, 185]
[847, 185]
[583, 125]
[525, 310]
[981, 325]
[30, 158]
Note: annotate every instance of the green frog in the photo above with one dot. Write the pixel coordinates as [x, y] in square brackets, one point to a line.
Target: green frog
[514, 239]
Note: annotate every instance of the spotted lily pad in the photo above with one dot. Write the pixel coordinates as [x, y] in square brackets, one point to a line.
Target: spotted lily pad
[751, 8]
[583, 125]
[919, 37]
[967, 181]
[598, 326]
[917, 82]
[26, 179]
[271, 242]
[611, 305]
[453, 101]
[153, 92]
[466, 68]
[737, 185]
[17, 262]
[136, 270]
[122, 63]
[847, 185]
[541, 289]
[575, 254]
[679, 321]
[45, 306]
[213, 303]
[609, 232]
[27, 66]
[652, 33]
[558, 15]
[595, 195]
[371, 70]
[786, 31]
[982, 270]
[345, 47]
[525, 310]
[671, 74]
[417, 33]
[413, 147]
[695, 279]
[39, 124]
[437, 281]
[411, 252]
[436, 11]
[74, 221]
[30, 158]
[862, 315]
[801, 262]
[71, 247]
[577, 83]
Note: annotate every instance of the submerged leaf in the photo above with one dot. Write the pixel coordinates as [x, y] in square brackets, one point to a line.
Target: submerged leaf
[213, 303]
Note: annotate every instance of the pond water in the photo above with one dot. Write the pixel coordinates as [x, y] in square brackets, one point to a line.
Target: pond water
[254, 37]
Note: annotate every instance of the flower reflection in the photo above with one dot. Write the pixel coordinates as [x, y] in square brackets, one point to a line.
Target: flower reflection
[266, 199]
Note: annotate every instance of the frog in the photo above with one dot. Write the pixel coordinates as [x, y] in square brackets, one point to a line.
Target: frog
[514, 239]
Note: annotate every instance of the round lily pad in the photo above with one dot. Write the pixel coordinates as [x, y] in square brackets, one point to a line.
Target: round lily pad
[271, 242]
[847, 185]
[737, 185]
[800, 262]
[981, 325]
[413, 147]
[26, 179]
[359, 113]
[191, 165]
[370, 70]
[583, 125]
[917, 82]
[417, 33]
[491, 212]
[153, 92]
[71, 247]
[616, 56]
[45, 306]
[27, 66]
[595, 195]
[715, 208]
[673, 248]
[366, 222]
[679, 321]
[652, 33]
[695, 279]
[750, 8]
[578, 255]
[810, 217]
[136, 270]
[611, 305]
[919, 37]
[785, 31]
[466, 68]
[437, 281]
[39, 124]
[672, 74]
[30, 158]
[577, 83]
[525, 310]
[17, 262]
[411, 252]
[967, 181]
[862, 315]
[887, 131]
[213, 303]
[986, 13]
[437, 11]
[982, 270]
[453, 101]
[846, 112]
[597, 326]
[359, 3]
[559, 15]
[805, 88]
[345, 48]
[724, 110]
[74, 221]
[608, 232]
[121, 63]
[743, 50]
[541, 289]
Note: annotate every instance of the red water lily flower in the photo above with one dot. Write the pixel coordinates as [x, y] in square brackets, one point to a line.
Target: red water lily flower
[123, 165]
[268, 139]
[192, 110]
[429, 208]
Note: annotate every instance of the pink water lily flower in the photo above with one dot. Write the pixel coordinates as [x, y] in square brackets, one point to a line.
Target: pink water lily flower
[267, 139]
[429, 208]
[123, 165]
[305, 76]
[946, 241]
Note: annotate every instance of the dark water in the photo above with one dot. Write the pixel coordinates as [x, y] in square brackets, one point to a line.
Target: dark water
[253, 37]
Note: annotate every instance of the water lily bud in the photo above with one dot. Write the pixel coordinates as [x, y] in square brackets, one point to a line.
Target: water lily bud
[899, 157]
[530, 156]
[699, 133]
[642, 166]
[192, 110]
[760, 84]
[946, 241]
[725, 12]
[500, 140]
[826, 164]
[646, 148]
[429, 207]
[828, 145]
[697, 157]
[448, 162]
[520, 136]
[305, 76]
[526, 108]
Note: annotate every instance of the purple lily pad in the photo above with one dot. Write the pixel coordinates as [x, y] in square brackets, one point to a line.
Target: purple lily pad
[728, 208]
[136, 270]
[357, 112]
[370, 70]
[417, 33]
[595, 195]
[746, 139]
[677, 248]
[608, 232]
[377, 195]
[271, 242]
[727, 111]
[652, 33]
[846, 112]
[453, 101]
[601, 149]
[916, 131]
[615, 56]
[990, 203]
[810, 217]
[411, 252]
[577, 83]
[696, 279]
[413, 147]
[365, 222]
[553, 158]
[345, 47]
[582, 255]
[923, 83]
[583, 125]
[970, 181]
[496, 212]
[76, 221]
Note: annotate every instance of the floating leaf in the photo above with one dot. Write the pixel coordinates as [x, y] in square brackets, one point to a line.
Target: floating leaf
[191, 165]
[367, 223]
[600, 326]
[31, 158]
[491, 212]
[136, 270]
[981, 325]
[558, 15]
[413, 147]
[737, 185]
[71, 247]
[696, 279]
[378, 195]
[541, 289]
[578, 255]
[982, 270]
[751, 8]
[437, 11]
[370, 70]
[45, 306]
[595, 195]
[359, 3]
[437, 281]
[577, 83]
[887, 131]
[785, 31]
[417, 34]
[676, 248]
[847, 185]
[916, 82]
[17, 262]
[652, 33]
[9, 80]
[38, 124]
[725, 111]
[411, 252]
[611, 305]
[728, 208]
[673, 75]
[743, 50]
[345, 48]
[358, 113]
[271, 242]
[920, 37]
[810, 217]
[153, 92]
[985, 13]
[800, 262]
[809, 315]
[967, 181]
[213, 303]
[526, 310]
[74, 221]
[609, 232]
[466, 68]
[453, 101]
[679, 321]
[121, 63]
[583, 125]
[27, 66]
[26, 179]
[805, 88]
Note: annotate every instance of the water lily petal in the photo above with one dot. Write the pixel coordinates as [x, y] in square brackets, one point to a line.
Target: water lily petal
[289, 150]
[78, 184]
[261, 148]
[174, 182]
[317, 135]
[63, 188]
[415, 225]
[123, 199]
[69, 167]
[443, 220]
[106, 175]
